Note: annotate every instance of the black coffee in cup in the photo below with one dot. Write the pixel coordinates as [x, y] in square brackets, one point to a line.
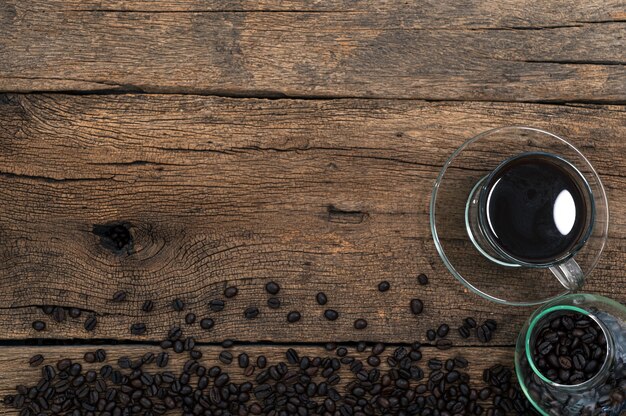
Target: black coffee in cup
[537, 208]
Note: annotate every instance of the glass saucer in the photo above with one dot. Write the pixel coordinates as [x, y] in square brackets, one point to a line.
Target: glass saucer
[471, 162]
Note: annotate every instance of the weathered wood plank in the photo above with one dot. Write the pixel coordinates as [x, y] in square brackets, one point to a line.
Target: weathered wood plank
[316, 195]
[16, 370]
[436, 50]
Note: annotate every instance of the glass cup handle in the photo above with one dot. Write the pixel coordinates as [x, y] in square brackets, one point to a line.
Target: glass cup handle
[569, 274]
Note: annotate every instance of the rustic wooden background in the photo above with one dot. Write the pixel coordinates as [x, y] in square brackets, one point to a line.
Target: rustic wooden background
[298, 141]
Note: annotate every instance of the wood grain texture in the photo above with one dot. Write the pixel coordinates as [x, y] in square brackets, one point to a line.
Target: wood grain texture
[518, 51]
[316, 195]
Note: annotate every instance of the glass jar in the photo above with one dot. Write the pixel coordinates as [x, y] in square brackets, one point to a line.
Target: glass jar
[604, 393]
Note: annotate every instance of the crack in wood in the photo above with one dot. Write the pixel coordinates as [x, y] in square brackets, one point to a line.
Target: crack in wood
[52, 180]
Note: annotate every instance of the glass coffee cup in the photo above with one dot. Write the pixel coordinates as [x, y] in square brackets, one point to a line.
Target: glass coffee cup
[511, 241]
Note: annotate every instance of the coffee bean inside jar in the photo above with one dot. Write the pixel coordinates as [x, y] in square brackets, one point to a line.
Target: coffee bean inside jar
[570, 348]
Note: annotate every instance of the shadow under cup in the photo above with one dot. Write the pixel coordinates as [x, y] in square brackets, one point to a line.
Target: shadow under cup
[474, 257]
[534, 210]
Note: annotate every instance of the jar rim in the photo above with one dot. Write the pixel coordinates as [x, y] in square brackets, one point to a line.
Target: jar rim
[609, 346]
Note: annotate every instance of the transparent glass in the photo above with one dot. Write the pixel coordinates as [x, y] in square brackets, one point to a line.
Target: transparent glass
[455, 194]
[603, 394]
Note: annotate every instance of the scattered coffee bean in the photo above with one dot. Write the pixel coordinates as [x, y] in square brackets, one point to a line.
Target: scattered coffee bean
[36, 360]
[39, 325]
[47, 309]
[101, 355]
[243, 360]
[422, 279]
[331, 314]
[230, 292]
[384, 286]
[321, 298]
[58, 314]
[251, 312]
[360, 324]
[119, 296]
[190, 318]
[272, 288]
[464, 331]
[74, 313]
[273, 303]
[293, 316]
[138, 328]
[90, 323]
[417, 306]
[470, 322]
[178, 305]
[216, 305]
[443, 344]
[431, 335]
[89, 357]
[442, 331]
[147, 306]
[226, 357]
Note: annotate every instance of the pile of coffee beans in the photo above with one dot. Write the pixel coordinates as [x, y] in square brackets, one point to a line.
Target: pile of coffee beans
[335, 384]
[571, 349]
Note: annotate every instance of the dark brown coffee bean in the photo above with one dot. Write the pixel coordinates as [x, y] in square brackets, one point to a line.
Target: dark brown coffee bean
[273, 303]
[36, 360]
[138, 328]
[230, 292]
[373, 360]
[331, 314]
[483, 333]
[272, 288]
[47, 309]
[74, 313]
[206, 323]
[148, 306]
[470, 322]
[251, 312]
[293, 316]
[442, 331]
[321, 298]
[58, 314]
[89, 357]
[384, 286]
[464, 331]
[190, 318]
[417, 306]
[39, 325]
[216, 305]
[162, 359]
[243, 360]
[443, 344]
[261, 361]
[101, 355]
[422, 279]
[360, 324]
[431, 335]
[90, 323]
[178, 305]
[226, 357]
[119, 296]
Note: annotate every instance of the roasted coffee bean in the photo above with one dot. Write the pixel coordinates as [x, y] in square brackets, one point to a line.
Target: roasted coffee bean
[39, 325]
[174, 333]
[321, 298]
[190, 318]
[138, 328]
[74, 313]
[331, 314]
[147, 306]
[464, 331]
[431, 335]
[90, 323]
[178, 305]
[491, 324]
[162, 359]
[58, 314]
[119, 296]
[230, 292]
[206, 323]
[442, 331]
[47, 309]
[443, 344]
[89, 357]
[272, 288]
[36, 360]
[251, 312]
[227, 343]
[470, 322]
[101, 355]
[373, 360]
[293, 316]
[483, 333]
[226, 357]
[384, 286]
[360, 324]
[216, 305]
[273, 303]
[422, 279]
[417, 306]
[261, 361]
[243, 360]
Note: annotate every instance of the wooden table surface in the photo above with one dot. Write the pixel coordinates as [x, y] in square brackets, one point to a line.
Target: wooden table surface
[288, 140]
